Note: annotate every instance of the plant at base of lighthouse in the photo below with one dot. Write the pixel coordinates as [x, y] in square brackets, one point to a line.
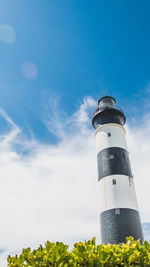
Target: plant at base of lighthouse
[87, 253]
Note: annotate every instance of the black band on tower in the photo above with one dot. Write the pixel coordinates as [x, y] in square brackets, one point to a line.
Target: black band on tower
[113, 160]
[117, 224]
[108, 116]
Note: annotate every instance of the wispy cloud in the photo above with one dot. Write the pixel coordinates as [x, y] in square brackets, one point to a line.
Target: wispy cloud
[15, 130]
[51, 193]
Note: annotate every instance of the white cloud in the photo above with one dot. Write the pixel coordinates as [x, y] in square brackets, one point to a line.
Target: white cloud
[138, 139]
[51, 193]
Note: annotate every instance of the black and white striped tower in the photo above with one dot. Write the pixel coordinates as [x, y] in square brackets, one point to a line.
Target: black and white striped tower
[119, 215]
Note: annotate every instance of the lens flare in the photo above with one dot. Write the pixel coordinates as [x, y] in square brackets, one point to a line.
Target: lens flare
[7, 34]
[29, 70]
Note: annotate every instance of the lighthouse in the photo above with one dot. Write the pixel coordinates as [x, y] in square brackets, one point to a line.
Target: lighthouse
[119, 215]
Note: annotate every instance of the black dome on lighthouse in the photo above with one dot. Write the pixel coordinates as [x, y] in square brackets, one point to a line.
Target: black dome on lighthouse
[107, 112]
[107, 99]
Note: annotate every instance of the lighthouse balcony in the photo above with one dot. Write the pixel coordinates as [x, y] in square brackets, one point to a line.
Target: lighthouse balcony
[108, 107]
[108, 114]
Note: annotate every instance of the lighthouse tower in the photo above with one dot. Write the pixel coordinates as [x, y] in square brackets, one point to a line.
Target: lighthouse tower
[119, 215]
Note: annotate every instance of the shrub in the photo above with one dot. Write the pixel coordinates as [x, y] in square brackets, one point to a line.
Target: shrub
[87, 253]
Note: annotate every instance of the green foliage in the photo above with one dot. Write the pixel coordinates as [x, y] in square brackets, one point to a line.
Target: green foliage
[87, 253]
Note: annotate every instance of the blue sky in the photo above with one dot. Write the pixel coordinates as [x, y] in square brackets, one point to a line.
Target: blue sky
[79, 49]
[56, 59]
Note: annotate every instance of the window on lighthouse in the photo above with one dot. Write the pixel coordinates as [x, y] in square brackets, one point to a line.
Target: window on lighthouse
[114, 181]
[117, 211]
[111, 156]
[109, 134]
